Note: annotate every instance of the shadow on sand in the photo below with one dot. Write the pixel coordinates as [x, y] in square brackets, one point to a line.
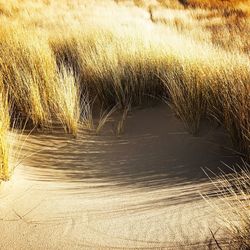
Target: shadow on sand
[154, 152]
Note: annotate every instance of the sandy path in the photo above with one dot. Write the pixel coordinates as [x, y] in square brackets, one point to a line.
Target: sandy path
[140, 190]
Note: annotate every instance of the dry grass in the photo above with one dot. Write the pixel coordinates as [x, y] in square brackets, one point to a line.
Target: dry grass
[212, 85]
[61, 50]
[59, 59]
[4, 129]
[186, 96]
[69, 93]
[117, 73]
[215, 4]
[28, 71]
[11, 141]
[233, 208]
[225, 27]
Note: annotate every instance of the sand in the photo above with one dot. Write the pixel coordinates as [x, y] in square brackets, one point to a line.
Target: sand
[139, 190]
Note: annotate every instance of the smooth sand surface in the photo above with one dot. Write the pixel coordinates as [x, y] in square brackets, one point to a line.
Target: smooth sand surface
[140, 190]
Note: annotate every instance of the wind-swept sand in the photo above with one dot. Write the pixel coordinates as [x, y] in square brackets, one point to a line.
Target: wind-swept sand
[139, 190]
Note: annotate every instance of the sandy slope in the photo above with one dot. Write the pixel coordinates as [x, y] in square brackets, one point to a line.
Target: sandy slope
[140, 190]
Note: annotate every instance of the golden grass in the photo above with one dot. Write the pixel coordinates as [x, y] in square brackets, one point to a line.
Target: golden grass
[11, 142]
[28, 71]
[186, 95]
[117, 72]
[4, 129]
[233, 207]
[233, 4]
[69, 100]
[56, 64]
[131, 67]
[60, 58]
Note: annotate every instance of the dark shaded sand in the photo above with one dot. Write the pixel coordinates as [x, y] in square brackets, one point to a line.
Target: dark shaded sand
[136, 191]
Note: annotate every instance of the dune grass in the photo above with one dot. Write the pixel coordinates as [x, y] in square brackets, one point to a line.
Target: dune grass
[4, 129]
[215, 4]
[61, 59]
[233, 207]
[28, 72]
[54, 73]
[69, 105]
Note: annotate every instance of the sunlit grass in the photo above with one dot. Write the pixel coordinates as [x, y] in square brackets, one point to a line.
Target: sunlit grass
[4, 139]
[49, 67]
[61, 59]
[233, 206]
[69, 94]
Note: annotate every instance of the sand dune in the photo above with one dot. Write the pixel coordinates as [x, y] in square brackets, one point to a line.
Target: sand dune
[139, 190]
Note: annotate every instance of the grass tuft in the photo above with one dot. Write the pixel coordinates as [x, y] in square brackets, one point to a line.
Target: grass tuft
[233, 208]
